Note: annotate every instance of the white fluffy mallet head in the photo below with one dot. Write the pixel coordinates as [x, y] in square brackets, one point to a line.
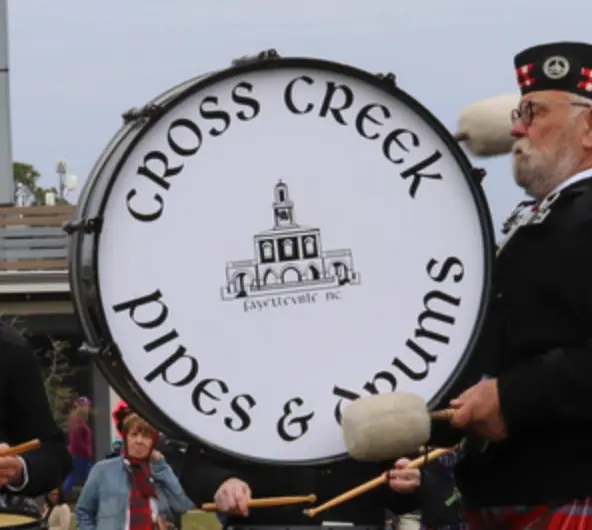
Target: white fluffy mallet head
[484, 126]
[385, 426]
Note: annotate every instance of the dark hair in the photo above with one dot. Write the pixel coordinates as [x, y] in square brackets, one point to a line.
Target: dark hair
[61, 497]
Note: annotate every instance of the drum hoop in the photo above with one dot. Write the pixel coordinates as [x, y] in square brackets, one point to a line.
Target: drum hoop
[35, 522]
[83, 255]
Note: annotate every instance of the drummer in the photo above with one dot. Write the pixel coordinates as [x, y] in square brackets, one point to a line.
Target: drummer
[25, 414]
[538, 335]
[231, 486]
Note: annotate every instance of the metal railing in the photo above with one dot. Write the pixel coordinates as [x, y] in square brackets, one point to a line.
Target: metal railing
[32, 238]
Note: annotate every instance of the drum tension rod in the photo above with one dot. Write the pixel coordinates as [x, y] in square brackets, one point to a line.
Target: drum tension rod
[147, 112]
[261, 56]
[91, 225]
[478, 174]
[100, 350]
[388, 78]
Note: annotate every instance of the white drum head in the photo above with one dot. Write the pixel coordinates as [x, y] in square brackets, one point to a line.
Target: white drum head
[264, 259]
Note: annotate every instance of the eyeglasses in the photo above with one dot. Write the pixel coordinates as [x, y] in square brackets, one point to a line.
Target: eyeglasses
[526, 111]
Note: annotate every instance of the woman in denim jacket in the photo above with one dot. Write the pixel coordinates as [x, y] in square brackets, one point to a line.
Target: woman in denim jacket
[136, 491]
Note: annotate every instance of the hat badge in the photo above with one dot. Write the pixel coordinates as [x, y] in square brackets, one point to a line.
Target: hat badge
[556, 67]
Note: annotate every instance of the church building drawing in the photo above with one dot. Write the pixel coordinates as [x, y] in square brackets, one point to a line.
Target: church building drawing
[288, 258]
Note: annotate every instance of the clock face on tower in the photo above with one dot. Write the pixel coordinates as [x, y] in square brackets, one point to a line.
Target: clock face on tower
[282, 214]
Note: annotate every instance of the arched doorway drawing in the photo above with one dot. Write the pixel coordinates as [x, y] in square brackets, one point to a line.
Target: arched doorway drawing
[341, 272]
[291, 275]
[239, 282]
[313, 272]
[270, 277]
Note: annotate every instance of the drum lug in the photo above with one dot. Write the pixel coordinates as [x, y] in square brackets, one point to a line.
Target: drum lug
[478, 174]
[95, 351]
[147, 112]
[91, 225]
[261, 56]
[388, 78]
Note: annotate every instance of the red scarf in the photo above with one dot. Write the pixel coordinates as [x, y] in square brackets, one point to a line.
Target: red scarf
[142, 490]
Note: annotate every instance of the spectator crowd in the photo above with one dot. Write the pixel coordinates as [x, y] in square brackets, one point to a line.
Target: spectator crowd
[136, 484]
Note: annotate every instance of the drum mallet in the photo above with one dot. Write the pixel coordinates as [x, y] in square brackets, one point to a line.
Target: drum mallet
[20, 449]
[268, 502]
[484, 126]
[374, 483]
[385, 426]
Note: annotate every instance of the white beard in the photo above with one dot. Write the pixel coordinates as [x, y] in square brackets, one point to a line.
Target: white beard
[538, 172]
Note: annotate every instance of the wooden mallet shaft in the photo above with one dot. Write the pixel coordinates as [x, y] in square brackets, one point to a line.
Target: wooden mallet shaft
[21, 448]
[374, 483]
[268, 502]
[442, 415]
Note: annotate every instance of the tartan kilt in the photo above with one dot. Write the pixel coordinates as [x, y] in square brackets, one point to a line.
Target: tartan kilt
[576, 515]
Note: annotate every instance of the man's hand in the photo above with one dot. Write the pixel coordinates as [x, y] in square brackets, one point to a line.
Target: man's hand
[232, 497]
[478, 410]
[403, 480]
[156, 455]
[11, 469]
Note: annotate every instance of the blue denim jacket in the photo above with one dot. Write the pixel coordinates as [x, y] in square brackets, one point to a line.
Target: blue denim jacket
[104, 499]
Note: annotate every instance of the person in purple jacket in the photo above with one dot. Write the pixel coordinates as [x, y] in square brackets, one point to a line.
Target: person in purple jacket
[80, 444]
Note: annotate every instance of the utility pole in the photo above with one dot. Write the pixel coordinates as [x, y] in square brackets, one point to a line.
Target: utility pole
[6, 173]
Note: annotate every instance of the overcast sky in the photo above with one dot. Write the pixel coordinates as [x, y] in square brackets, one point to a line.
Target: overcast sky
[76, 66]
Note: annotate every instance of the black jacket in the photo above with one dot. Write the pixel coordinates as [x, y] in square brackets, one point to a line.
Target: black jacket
[441, 504]
[538, 342]
[201, 477]
[25, 414]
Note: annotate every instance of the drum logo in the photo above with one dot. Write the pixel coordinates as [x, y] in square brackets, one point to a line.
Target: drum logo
[289, 260]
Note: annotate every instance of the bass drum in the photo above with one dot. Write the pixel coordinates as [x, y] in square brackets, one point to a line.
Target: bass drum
[261, 245]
